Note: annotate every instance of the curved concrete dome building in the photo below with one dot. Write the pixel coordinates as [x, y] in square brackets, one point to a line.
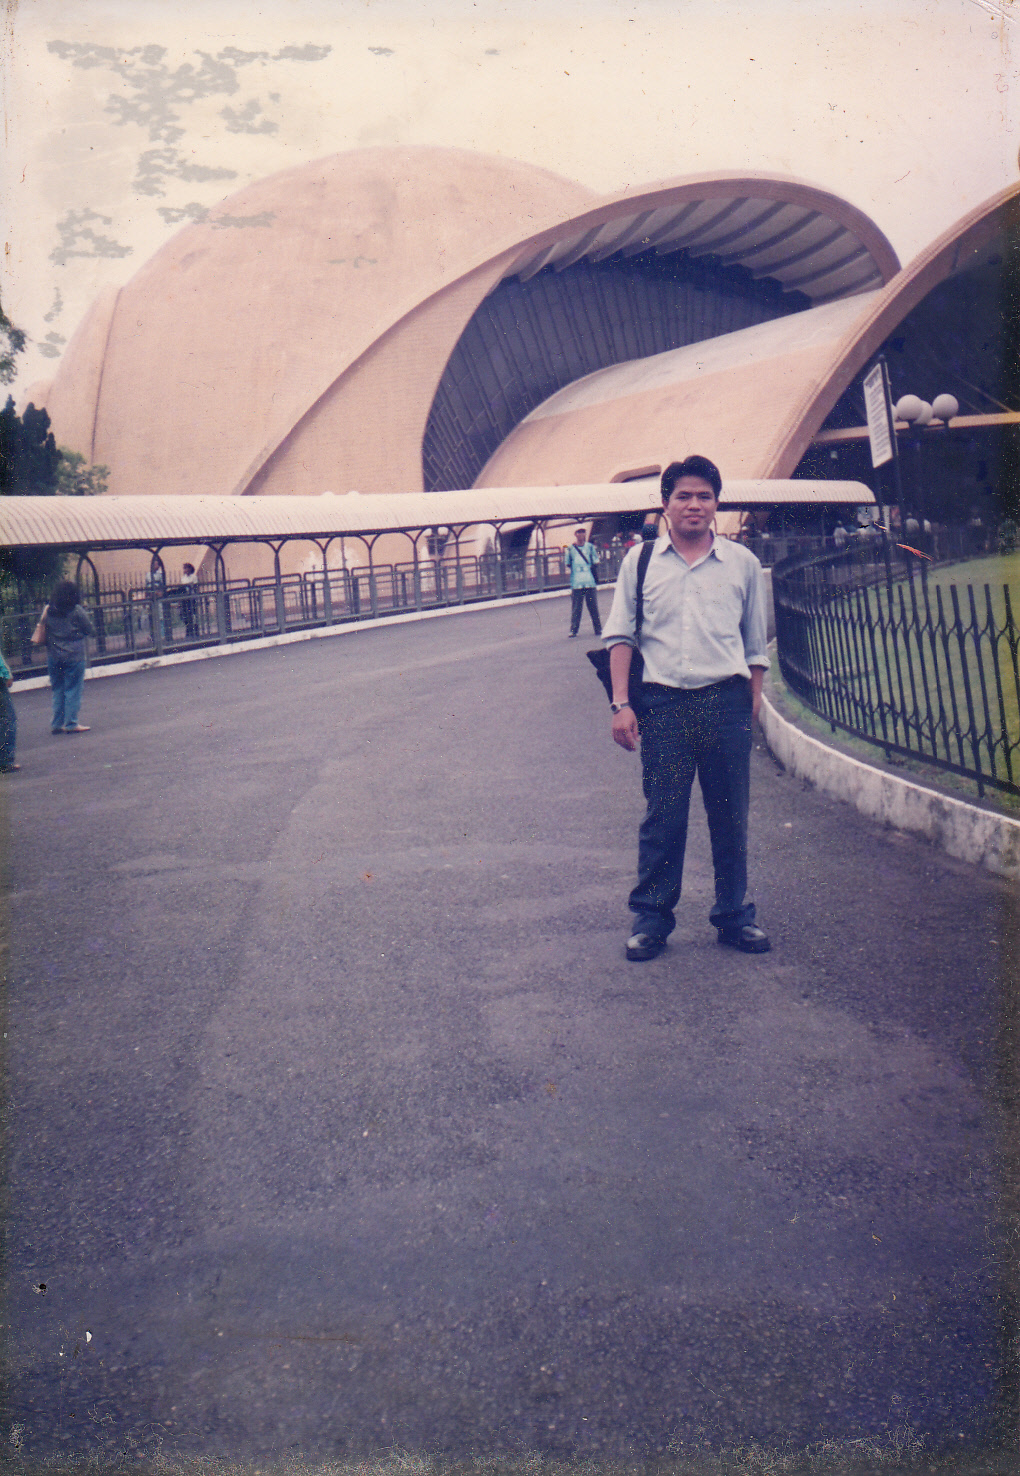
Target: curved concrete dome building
[385, 319]
[237, 340]
[754, 399]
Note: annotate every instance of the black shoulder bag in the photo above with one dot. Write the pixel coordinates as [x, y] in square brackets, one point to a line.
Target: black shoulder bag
[600, 658]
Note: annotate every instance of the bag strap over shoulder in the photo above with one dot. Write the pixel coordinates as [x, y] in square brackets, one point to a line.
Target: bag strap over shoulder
[642, 569]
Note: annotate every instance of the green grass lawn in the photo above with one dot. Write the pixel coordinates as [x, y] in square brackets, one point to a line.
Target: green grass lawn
[921, 772]
[993, 569]
[915, 671]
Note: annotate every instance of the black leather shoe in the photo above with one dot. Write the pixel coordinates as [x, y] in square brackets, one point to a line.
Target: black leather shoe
[641, 947]
[748, 939]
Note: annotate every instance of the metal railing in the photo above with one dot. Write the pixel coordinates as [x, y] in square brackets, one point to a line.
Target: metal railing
[138, 622]
[942, 543]
[888, 647]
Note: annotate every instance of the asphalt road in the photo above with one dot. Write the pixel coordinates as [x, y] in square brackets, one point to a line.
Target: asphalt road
[338, 1120]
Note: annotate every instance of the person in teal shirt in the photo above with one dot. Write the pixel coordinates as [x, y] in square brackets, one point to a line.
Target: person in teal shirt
[582, 558]
[8, 721]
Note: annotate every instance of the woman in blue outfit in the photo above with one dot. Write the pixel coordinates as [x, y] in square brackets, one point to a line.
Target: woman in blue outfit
[8, 722]
[63, 627]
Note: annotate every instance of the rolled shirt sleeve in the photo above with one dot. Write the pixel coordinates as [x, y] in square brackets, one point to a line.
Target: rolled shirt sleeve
[619, 628]
[754, 625]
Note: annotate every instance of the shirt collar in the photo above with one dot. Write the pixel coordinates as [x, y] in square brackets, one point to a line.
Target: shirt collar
[664, 544]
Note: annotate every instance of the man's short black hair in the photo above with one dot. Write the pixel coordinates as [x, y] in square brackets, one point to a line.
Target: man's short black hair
[691, 466]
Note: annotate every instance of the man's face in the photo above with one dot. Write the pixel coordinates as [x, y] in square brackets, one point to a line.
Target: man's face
[691, 508]
[579, 536]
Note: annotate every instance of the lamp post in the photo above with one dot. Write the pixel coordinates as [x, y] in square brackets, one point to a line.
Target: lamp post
[918, 413]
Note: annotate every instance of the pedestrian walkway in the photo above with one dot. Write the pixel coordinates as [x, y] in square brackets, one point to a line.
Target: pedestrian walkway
[339, 1121]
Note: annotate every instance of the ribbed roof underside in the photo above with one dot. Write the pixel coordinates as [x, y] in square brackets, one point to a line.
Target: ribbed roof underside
[801, 248]
[528, 339]
[128, 522]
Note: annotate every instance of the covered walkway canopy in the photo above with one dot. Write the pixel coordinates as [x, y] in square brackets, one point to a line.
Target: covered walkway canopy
[93, 524]
[418, 557]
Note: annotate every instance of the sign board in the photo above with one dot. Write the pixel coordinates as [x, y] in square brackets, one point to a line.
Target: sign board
[880, 428]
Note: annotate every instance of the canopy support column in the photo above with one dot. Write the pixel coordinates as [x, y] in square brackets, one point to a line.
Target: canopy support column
[500, 572]
[373, 592]
[280, 601]
[157, 598]
[327, 593]
[220, 598]
[97, 597]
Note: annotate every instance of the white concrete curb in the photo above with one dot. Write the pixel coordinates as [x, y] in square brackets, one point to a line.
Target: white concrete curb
[238, 648]
[978, 836]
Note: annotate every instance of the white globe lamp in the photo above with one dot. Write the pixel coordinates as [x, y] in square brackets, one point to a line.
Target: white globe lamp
[908, 407]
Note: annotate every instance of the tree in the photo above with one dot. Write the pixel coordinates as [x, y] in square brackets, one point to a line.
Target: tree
[12, 341]
[75, 478]
[29, 461]
[28, 453]
[31, 465]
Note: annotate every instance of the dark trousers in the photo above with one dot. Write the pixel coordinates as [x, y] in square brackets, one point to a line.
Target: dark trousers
[706, 731]
[8, 727]
[589, 597]
[190, 617]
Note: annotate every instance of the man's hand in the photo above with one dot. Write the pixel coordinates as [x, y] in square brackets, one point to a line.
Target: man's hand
[625, 729]
[624, 722]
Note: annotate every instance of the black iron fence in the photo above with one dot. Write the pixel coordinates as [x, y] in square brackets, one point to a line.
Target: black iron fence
[892, 648]
[140, 622]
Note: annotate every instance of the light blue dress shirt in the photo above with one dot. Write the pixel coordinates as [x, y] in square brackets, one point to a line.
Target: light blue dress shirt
[702, 622]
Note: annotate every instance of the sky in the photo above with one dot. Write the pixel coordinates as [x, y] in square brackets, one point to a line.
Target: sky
[126, 119]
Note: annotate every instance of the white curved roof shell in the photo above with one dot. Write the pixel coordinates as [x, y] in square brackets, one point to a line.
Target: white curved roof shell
[296, 338]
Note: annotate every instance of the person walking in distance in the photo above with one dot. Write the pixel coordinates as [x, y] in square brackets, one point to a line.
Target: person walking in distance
[582, 558]
[62, 628]
[189, 603]
[703, 640]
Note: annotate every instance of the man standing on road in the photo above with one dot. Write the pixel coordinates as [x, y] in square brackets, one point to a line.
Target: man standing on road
[581, 560]
[703, 639]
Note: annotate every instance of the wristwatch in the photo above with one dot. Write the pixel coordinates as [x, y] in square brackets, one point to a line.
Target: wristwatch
[616, 707]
